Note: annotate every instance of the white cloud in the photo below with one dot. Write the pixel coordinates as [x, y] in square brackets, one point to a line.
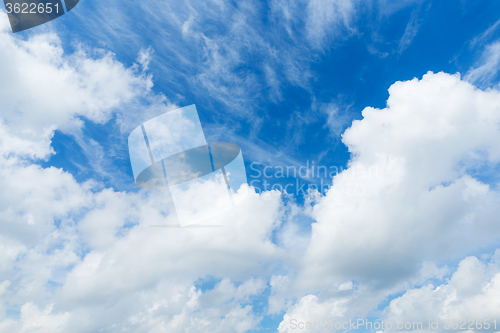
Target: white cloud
[411, 31]
[472, 293]
[68, 244]
[481, 38]
[36, 148]
[486, 69]
[47, 89]
[310, 310]
[279, 291]
[38, 320]
[338, 116]
[407, 197]
[419, 202]
[327, 17]
[144, 57]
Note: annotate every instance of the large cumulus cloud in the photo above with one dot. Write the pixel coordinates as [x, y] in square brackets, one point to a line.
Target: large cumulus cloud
[420, 187]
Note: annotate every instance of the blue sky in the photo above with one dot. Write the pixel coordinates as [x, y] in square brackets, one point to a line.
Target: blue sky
[341, 84]
[281, 117]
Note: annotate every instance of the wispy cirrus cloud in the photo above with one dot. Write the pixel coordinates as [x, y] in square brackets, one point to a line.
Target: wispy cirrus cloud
[486, 69]
[481, 38]
[329, 17]
[410, 31]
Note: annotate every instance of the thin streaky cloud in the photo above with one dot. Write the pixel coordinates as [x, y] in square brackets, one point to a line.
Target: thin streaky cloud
[486, 69]
[411, 31]
[480, 39]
